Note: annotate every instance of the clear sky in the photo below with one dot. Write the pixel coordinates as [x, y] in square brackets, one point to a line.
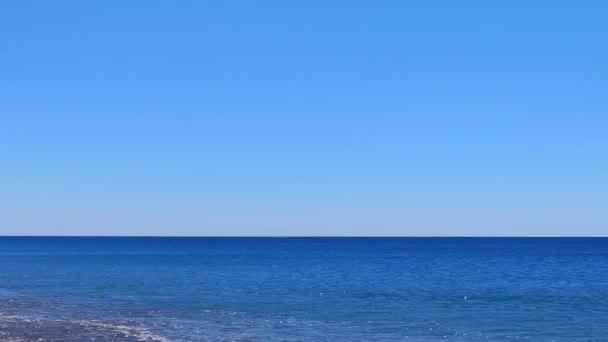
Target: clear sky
[303, 117]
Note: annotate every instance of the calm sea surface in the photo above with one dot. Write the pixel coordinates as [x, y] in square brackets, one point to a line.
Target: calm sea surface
[303, 289]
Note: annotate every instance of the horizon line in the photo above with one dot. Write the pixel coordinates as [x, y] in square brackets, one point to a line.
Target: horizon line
[316, 236]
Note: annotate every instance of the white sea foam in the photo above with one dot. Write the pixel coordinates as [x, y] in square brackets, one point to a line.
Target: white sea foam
[138, 332]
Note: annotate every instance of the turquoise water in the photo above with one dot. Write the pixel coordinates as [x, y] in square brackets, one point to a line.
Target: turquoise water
[303, 289]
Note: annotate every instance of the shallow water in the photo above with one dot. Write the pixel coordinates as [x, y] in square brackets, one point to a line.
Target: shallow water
[338, 289]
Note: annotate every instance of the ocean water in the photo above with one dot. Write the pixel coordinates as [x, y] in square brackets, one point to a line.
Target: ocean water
[303, 289]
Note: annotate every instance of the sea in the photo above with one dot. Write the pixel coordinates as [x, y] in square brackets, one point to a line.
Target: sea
[303, 289]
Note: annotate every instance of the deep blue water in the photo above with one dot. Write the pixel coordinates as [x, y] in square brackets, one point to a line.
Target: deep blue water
[304, 289]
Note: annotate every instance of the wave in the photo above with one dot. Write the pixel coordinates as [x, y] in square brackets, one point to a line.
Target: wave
[20, 328]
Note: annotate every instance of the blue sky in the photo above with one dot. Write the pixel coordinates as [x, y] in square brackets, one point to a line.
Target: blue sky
[303, 118]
